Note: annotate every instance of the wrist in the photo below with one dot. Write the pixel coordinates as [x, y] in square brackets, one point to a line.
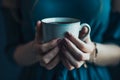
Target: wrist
[94, 53]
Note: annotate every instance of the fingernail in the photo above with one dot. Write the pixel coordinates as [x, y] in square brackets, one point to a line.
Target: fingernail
[65, 42]
[71, 68]
[38, 23]
[67, 34]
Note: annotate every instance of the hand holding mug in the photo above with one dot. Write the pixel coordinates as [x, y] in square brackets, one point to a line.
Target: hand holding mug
[47, 53]
[77, 51]
[57, 27]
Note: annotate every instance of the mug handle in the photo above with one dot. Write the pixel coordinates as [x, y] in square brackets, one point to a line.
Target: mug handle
[89, 30]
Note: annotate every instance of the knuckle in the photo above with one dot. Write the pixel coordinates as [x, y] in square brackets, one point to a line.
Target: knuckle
[82, 57]
[83, 47]
[41, 48]
[77, 65]
[36, 49]
[53, 43]
[71, 68]
[86, 56]
[56, 50]
[78, 57]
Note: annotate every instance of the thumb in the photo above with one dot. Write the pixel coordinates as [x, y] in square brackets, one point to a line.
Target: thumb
[38, 32]
[84, 34]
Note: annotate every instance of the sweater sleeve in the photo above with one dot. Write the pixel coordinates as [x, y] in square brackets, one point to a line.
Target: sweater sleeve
[12, 31]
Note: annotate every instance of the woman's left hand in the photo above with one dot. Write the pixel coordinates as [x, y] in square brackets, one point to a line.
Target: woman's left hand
[76, 51]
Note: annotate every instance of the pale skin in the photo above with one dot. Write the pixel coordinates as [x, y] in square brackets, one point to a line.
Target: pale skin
[75, 52]
[36, 51]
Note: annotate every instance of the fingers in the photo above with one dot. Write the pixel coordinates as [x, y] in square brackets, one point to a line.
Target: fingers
[75, 52]
[50, 55]
[79, 43]
[83, 36]
[48, 46]
[38, 34]
[66, 63]
[45, 47]
[71, 59]
[52, 63]
[51, 58]
[83, 32]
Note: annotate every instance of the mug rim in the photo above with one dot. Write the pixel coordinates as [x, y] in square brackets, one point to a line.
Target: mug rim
[51, 20]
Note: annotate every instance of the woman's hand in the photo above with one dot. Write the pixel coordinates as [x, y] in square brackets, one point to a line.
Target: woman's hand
[37, 51]
[47, 53]
[75, 51]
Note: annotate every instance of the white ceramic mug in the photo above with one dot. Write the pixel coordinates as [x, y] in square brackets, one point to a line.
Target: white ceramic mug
[57, 27]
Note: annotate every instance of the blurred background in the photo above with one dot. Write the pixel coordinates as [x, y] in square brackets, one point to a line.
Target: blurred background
[8, 68]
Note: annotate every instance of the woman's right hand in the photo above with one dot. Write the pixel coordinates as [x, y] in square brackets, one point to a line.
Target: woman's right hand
[46, 53]
[37, 51]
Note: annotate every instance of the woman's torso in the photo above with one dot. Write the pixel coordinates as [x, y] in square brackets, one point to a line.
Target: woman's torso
[94, 12]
